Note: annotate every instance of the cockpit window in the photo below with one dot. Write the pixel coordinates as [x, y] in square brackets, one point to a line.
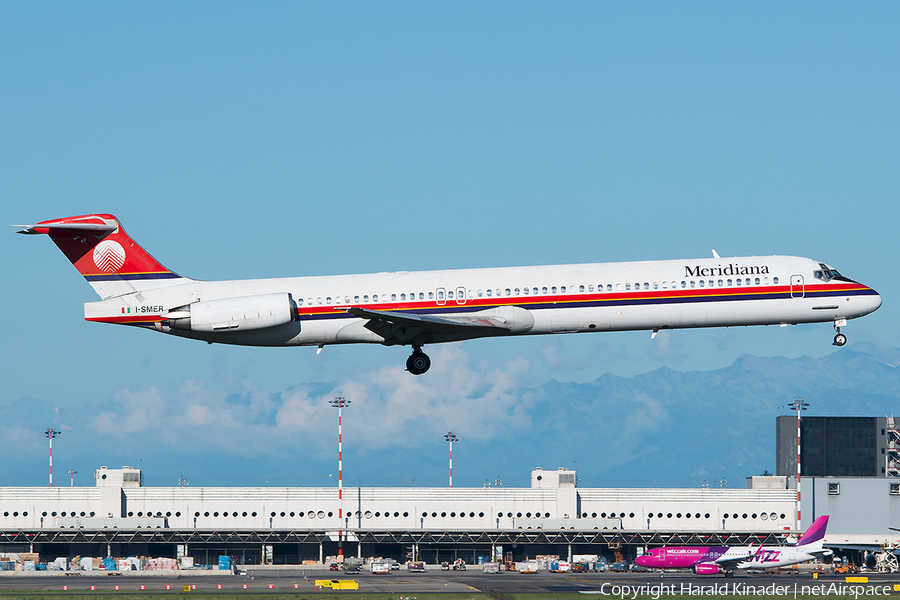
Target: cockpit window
[827, 274]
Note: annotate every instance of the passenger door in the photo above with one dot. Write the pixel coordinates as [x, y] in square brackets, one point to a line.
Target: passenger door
[797, 289]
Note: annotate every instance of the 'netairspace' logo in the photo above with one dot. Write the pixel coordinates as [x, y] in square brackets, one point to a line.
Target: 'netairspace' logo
[633, 592]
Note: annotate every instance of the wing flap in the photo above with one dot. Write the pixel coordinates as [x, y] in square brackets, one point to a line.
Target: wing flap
[418, 329]
[431, 321]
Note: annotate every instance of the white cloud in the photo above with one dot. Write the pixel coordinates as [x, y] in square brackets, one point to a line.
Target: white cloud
[390, 408]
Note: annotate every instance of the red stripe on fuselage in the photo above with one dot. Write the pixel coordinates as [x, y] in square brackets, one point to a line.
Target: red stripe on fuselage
[612, 298]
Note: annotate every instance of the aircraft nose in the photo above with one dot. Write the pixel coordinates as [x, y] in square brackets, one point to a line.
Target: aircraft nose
[874, 302]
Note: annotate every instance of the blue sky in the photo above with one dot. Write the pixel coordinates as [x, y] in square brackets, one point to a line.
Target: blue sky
[242, 140]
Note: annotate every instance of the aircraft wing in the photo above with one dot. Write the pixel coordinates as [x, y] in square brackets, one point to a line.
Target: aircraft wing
[401, 328]
[732, 563]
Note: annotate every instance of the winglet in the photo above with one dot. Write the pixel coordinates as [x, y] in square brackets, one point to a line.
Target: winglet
[815, 533]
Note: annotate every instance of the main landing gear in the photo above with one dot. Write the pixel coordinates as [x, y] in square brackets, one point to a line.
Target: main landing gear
[839, 339]
[418, 362]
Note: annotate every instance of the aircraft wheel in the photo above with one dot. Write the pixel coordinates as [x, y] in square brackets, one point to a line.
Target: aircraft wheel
[418, 363]
[840, 339]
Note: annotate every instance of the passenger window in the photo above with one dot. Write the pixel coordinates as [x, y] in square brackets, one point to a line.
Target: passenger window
[618, 287]
[526, 291]
[366, 298]
[440, 295]
[655, 285]
[328, 300]
[516, 291]
[544, 290]
[393, 297]
[702, 283]
[591, 288]
[309, 301]
[775, 280]
[508, 291]
[646, 286]
[766, 280]
[431, 295]
[300, 302]
[471, 294]
[450, 294]
[403, 297]
[356, 299]
[552, 290]
[683, 285]
[664, 285]
[609, 287]
[480, 293]
[721, 283]
[748, 281]
[346, 299]
[728, 282]
[562, 290]
[737, 282]
[581, 288]
[535, 291]
[693, 283]
[628, 286]
[756, 281]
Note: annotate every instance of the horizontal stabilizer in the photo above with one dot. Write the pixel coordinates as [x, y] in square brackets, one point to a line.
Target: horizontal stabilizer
[96, 228]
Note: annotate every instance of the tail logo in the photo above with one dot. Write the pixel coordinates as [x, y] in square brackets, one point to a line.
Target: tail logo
[109, 256]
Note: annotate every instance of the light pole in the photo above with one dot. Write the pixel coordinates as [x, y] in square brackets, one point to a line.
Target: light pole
[798, 404]
[72, 475]
[451, 437]
[339, 403]
[51, 433]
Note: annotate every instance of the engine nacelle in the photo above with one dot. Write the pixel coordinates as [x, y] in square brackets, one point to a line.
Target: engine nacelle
[519, 319]
[239, 314]
[706, 569]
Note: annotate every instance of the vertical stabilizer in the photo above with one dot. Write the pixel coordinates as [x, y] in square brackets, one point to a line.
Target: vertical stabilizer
[112, 262]
[815, 533]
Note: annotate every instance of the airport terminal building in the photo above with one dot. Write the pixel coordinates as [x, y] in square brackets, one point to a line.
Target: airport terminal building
[851, 472]
[119, 516]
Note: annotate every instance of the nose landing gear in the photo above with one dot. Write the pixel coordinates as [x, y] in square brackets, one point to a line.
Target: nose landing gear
[418, 362]
[839, 339]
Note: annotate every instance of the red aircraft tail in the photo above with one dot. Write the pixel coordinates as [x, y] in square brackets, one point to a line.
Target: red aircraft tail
[105, 255]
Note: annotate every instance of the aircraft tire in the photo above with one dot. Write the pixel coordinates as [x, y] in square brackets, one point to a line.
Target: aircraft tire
[418, 363]
[840, 339]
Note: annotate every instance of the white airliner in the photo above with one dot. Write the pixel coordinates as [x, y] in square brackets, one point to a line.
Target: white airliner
[430, 307]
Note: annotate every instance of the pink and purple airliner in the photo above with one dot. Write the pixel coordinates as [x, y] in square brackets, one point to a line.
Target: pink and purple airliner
[710, 560]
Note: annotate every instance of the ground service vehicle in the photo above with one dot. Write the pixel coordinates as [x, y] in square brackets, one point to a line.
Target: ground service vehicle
[380, 568]
[351, 565]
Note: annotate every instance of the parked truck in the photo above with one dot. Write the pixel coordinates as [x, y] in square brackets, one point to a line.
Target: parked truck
[380, 568]
[351, 565]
